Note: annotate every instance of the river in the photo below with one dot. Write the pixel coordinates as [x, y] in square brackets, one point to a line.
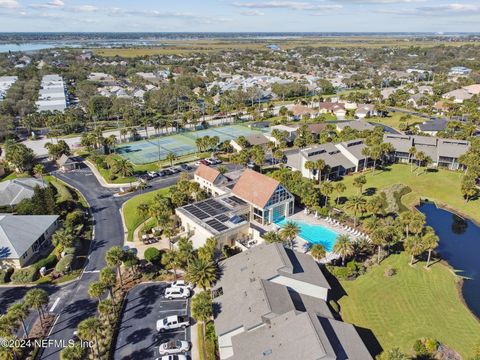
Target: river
[459, 245]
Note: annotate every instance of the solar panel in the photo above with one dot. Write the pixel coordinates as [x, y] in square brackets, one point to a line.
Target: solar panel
[237, 200]
[199, 214]
[216, 225]
[222, 218]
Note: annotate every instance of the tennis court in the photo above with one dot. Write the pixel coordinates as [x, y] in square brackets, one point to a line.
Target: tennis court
[147, 151]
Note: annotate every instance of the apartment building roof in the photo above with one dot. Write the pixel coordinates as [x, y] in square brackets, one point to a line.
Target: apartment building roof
[255, 188]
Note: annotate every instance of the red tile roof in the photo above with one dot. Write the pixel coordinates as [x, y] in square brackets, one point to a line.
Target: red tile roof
[255, 188]
[208, 173]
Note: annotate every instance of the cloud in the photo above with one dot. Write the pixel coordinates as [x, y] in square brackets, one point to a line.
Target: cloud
[53, 4]
[294, 5]
[85, 8]
[9, 4]
[252, 12]
[379, 1]
[453, 9]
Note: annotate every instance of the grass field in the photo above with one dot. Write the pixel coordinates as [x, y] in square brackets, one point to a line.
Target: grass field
[185, 47]
[393, 120]
[441, 186]
[412, 304]
[130, 213]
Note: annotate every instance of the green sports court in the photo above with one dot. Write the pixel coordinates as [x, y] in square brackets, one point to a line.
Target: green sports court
[154, 149]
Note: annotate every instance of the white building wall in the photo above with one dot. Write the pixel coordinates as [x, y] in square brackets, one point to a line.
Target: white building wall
[302, 287]
[225, 343]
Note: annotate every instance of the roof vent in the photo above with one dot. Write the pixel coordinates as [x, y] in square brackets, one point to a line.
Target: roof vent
[267, 352]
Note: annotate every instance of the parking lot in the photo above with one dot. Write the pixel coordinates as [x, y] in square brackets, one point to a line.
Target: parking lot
[138, 337]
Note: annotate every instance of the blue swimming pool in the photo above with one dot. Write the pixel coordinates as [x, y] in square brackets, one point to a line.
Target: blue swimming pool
[314, 234]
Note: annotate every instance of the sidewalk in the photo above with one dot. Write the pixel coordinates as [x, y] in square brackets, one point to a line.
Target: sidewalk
[194, 340]
[102, 181]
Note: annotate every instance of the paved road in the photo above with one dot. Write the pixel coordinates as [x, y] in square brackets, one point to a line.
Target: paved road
[71, 302]
[138, 337]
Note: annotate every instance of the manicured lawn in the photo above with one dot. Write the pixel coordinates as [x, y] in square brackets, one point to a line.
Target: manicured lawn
[441, 186]
[393, 120]
[413, 303]
[130, 213]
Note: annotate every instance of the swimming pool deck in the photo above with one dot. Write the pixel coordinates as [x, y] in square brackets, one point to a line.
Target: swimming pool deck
[303, 245]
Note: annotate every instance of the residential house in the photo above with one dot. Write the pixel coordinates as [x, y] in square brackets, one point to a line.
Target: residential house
[23, 236]
[418, 101]
[337, 109]
[210, 180]
[291, 132]
[443, 152]
[432, 127]
[299, 111]
[358, 125]
[365, 111]
[458, 96]
[14, 191]
[271, 303]
[254, 139]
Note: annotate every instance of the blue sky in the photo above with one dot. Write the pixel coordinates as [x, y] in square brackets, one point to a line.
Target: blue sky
[240, 15]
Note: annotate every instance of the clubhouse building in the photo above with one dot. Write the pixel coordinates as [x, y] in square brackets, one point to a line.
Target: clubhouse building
[237, 205]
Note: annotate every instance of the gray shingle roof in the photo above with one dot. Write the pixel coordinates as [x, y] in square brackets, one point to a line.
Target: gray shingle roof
[19, 232]
[14, 191]
[279, 323]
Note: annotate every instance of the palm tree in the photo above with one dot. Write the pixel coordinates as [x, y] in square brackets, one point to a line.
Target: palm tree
[318, 251]
[14, 352]
[8, 325]
[357, 205]
[411, 155]
[320, 165]
[123, 167]
[114, 258]
[142, 210]
[96, 289]
[19, 312]
[171, 260]
[343, 247]
[430, 242]
[378, 237]
[123, 133]
[326, 188]
[340, 189]
[202, 273]
[64, 238]
[171, 157]
[202, 310]
[273, 237]
[37, 299]
[108, 277]
[359, 182]
[106, 308]
[289, 232]
[414, 246]
[39, 170]
[89, 330]
[73, 352]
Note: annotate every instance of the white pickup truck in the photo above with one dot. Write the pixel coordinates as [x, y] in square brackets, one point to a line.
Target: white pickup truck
[172, 322]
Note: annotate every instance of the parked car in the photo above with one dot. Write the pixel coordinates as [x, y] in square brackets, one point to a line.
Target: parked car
[172, 323]
[174, 347]
[152, 174]
[181, 284]
[173, 357]
[174, 170]
[168, 172]
[203, 161]
[185, 167]
[177, 293]
[161, 173]
[214, 161]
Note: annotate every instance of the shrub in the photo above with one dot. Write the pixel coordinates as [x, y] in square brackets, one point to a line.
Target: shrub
[390, 271]
[74, 218]
[69, 251]
[431, 345]
[419, 348]
[5, 275]
[49, 262]
[64, 265]
[349, 272]
[27, 275]
[152, 255]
